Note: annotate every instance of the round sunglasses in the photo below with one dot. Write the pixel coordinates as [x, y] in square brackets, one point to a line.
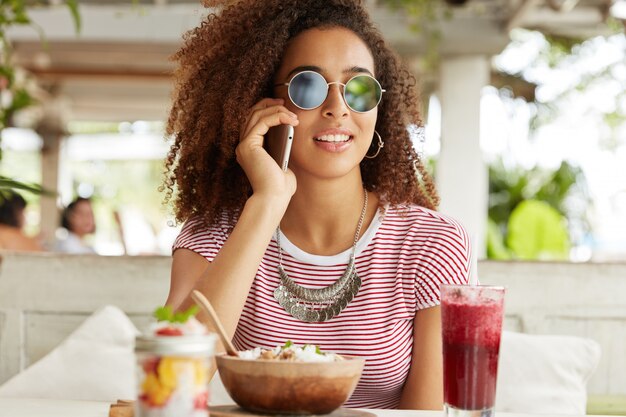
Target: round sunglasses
[309, 89]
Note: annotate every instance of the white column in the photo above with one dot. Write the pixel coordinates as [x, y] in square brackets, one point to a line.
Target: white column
[52, 130]
[462, 176]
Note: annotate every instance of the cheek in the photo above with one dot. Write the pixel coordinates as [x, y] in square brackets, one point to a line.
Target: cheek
[367, 126]
[305, 128]
[284, 94]
[293, 108]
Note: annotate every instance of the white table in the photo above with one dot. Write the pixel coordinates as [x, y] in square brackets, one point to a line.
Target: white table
[10, 407]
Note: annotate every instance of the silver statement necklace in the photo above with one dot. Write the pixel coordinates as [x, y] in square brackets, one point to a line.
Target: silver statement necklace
[319, 304]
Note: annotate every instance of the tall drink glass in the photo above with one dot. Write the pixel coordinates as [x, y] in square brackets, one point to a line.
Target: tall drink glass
[471, 320]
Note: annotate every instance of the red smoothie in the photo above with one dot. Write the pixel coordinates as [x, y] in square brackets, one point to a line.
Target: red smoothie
[471, 326]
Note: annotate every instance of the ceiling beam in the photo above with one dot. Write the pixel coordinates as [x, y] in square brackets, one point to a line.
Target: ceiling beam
[60, 73]
[118, 23]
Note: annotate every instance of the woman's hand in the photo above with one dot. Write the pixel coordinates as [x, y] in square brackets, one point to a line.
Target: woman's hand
[264, 174]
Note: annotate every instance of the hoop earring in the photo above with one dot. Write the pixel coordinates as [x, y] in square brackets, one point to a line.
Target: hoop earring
[381, 145]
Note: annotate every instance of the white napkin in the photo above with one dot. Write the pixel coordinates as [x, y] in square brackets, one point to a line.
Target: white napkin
[545, 374]
[96, 362]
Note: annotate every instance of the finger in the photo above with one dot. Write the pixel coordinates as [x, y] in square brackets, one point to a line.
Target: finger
[259, 114]
[266, 102]
[269, 120]
[263, 104]
[259, 129]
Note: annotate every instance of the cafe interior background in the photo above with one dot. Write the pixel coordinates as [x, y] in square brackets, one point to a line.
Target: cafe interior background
[524, 105]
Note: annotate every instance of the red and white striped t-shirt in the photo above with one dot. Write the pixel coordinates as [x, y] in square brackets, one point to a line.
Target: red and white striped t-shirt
[402, 259]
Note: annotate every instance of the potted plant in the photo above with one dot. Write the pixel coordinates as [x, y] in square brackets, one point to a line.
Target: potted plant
[14, 91]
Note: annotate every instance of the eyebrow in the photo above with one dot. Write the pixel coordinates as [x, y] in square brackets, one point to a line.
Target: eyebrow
[351, 70]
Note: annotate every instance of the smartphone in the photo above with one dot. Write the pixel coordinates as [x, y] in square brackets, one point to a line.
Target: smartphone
[278, 144]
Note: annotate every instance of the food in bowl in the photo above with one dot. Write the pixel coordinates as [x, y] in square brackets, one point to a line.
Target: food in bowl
[297, 380]
[291, 352]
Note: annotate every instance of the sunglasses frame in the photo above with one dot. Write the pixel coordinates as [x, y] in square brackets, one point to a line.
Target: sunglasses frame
[343, 94]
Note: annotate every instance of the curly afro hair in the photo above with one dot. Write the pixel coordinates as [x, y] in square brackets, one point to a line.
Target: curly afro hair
[227, 64]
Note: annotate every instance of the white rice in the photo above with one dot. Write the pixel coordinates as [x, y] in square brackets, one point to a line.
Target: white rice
[306, 353]
[250, 354]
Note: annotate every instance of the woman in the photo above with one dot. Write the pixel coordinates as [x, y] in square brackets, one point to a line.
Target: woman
[353, 216]
[78, 220]
[12, 220]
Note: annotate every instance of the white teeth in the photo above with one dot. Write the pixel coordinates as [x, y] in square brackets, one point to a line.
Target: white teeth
[333, 138]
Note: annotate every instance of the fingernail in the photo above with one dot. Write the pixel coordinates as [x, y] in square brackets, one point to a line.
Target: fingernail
[293, 115]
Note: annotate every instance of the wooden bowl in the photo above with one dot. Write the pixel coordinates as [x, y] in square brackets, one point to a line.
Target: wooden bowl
[285, 387]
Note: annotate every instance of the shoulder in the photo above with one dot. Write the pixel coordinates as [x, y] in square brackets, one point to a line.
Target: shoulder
[434, 235]
[196, 226]
[417, 218]
[8, 233]
[13, 239]
[440, 247]
[201, 238]
[71, 244]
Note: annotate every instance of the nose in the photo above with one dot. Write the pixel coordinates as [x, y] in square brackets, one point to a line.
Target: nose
[335, 106]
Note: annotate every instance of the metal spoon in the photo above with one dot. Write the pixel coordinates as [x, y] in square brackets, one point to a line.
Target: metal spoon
[202, 301]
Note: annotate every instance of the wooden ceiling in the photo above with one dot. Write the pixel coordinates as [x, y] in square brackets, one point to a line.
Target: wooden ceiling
[118, 67]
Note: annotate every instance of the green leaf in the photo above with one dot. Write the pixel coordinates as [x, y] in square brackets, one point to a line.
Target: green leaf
[21, 99]
[496, 249]
[17, 6]
[7, 72]
[7, 183]
[183, 316]
[288, 344]
[164, 313]
[538, 231]
[21, 19]
[318, 350]
[73, 6]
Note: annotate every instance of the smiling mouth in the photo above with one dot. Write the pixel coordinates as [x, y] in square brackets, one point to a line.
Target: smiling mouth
[333, 138]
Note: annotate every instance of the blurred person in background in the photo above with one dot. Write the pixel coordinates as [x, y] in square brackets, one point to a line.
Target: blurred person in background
[78, 221]
[12, 220]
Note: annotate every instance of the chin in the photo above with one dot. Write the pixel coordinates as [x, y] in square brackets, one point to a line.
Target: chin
[329, 173]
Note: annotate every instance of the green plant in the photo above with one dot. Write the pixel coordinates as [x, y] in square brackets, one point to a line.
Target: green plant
[581, 67]
[14, 92]
[424, 19]
[8, 183]
[552, 56]
[496, 248]
[536, 230]
[532, 213]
